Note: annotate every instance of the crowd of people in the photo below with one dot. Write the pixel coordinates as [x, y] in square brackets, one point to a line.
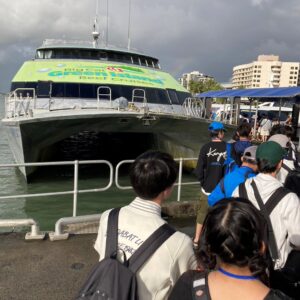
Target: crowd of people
[247, 235]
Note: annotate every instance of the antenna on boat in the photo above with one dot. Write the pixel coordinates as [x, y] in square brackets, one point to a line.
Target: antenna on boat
[106, 22]
[95, 32]
[129, 17]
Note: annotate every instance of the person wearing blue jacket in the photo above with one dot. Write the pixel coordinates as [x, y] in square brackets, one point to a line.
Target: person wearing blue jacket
[227, 184]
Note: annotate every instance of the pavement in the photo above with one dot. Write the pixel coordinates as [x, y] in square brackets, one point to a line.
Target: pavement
[45, 270]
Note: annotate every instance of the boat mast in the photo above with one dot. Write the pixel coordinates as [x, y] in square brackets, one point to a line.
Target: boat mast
[106, 23]
[95, 32]
[129, 17]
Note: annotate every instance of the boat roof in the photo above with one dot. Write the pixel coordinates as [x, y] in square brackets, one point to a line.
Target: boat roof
[283, 92]
[78, 44]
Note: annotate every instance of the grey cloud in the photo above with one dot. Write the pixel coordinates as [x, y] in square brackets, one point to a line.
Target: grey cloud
[206, 35]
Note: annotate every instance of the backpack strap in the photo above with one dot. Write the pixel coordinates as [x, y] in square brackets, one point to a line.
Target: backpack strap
[112, 232]
[222, 186]
[284, 166]
[275, 198]
[243, 191]
[155, 240]
[272, 241]
[200, 284]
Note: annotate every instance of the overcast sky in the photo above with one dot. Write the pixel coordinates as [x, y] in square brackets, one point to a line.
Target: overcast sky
[211, 36]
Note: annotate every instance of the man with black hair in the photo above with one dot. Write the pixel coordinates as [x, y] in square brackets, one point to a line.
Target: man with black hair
[209, 170]
[288, 163]
[237, 148]
[152, 177]
[284, 215]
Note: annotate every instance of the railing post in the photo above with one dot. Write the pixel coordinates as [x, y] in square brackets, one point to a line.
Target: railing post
[179, 179]
[75, 195]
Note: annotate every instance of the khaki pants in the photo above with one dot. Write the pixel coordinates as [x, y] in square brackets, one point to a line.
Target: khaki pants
[203, 208]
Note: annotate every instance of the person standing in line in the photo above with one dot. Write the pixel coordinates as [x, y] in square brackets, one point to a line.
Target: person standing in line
[232, 252]
[288, 164]
[152, 176]
[284, 217]
[265, 126]
[230, 181]
[243, 141]
[209, 170]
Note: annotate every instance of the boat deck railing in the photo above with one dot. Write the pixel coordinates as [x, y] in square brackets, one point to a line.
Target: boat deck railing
[113, 177]
[24, 103]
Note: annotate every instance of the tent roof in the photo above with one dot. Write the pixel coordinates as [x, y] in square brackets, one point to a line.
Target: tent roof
[284, 92]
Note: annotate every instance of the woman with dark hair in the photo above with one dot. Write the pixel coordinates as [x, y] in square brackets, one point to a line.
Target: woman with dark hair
[232, 250]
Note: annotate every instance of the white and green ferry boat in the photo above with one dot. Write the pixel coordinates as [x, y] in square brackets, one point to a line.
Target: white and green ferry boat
[121, 96]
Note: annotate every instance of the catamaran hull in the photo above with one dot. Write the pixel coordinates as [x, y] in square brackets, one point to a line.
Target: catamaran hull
[30, 140]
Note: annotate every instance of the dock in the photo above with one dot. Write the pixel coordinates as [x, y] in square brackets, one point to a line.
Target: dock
[35, 270]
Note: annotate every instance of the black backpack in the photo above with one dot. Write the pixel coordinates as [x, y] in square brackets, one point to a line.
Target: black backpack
[111, 279]
[292, 181]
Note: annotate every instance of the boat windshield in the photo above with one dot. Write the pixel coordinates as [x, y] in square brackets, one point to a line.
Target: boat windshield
[89, 91]
[97, 54]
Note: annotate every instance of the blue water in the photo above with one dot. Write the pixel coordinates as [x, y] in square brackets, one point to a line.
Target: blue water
[47, 210]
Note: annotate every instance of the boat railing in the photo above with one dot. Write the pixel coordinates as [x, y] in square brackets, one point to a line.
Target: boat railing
[20, 102]
[18, 105]
[194, 107]
[36, 234]
[139, 95]
[103, 93]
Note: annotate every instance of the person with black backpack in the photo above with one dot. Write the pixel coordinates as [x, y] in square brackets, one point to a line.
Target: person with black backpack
[281, 209]
[231, 255]
[290, 161]
[152, 177]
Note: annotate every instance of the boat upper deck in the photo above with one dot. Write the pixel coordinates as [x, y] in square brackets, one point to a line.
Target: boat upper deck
[61, 49]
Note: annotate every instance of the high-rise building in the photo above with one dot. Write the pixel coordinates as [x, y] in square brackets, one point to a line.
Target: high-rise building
[266, 71]
[193, 76]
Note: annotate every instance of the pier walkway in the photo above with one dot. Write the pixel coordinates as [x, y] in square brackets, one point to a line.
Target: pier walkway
[45, 270]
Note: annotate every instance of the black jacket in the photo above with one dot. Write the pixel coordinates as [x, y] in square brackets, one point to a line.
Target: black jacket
[209, 170]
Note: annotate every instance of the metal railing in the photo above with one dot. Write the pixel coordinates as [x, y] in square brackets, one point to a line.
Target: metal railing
[194, 107]
[75, 190]
[179, 182]
[17, 105]
[58, 234]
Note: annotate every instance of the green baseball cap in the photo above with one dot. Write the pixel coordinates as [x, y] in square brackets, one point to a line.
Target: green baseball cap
[271, 152]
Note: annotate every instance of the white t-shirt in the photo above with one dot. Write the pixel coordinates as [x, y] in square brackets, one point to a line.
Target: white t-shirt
[285, 217]
[137, 221]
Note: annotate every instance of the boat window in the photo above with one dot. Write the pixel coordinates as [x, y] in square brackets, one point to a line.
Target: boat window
[88, 91]
[48, 54]
[43, 89]
[39, 54]
[135, 59]
[173, 96]
[143, 61]
[182, 96]
[72, 90]
[22, 85]
[95, 54]
[58, 90]
[102, 55]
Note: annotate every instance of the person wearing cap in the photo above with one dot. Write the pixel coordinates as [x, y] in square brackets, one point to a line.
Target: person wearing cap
[285, 217]
[288, 164]
[228, 183]
[209, 170]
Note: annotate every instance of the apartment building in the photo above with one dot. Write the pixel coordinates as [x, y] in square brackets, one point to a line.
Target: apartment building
[266, 71]
[193, 76]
